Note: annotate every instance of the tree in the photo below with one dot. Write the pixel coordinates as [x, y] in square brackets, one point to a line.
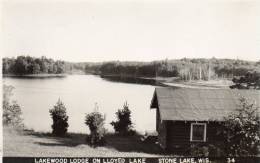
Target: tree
[5, 67]
[246, 81]
[95, 122]
[123, 125]
[60, 67]
[36, 68]
[11, 110]
[21, 65]
[54, 69]
[60, 119]
[44, 65]
[241, 130]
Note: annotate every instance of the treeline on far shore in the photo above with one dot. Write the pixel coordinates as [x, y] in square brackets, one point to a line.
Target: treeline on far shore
[27, 65]
[185, 69]
[30, 65]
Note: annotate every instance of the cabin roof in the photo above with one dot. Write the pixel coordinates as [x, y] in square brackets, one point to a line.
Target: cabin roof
[186, 104]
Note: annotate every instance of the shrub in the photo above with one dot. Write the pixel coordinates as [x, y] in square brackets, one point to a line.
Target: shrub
[11, 110]
[207, 150]
[241, 130]
[199, 150]
[123, 125]
[95, 122]
[250, 79]
[60, 119]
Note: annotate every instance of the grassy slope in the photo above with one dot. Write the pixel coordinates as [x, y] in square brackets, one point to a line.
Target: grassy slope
[43, 144]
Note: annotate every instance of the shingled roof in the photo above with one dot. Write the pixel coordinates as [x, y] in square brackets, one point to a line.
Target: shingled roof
[199, 104]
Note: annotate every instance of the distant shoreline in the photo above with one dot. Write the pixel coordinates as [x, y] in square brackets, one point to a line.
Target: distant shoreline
[172, 81]
[157, 81]
[35, 75]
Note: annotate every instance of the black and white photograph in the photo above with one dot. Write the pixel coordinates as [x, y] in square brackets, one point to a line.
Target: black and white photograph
[130, 81]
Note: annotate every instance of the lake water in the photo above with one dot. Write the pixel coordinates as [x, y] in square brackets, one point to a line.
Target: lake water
[79, 94]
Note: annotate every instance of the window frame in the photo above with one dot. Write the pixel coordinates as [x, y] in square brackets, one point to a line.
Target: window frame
[204, 135]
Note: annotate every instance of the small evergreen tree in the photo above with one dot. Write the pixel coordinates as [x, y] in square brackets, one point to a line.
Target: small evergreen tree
[123, 125]
[241, 130]
[95, 122]
[60, 119]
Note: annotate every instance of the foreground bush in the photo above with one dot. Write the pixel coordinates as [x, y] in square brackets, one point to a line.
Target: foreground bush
[95, 122]
[11, 110]
[241, 130]
[60, 119]
[123, 125]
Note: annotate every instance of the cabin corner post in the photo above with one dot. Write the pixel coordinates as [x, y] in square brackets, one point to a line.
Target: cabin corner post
[162, 136]
[161, 129]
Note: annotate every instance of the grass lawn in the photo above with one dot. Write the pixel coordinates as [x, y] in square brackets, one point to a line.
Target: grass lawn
[34, 144]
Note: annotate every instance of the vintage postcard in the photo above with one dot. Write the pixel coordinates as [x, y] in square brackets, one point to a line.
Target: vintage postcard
[130, 81]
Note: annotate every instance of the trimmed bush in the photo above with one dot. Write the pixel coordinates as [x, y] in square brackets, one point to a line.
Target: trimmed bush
[95, 122]
[123, 125]
[60, 119]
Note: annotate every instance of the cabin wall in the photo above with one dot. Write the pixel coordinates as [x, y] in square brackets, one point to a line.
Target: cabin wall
[178, 136]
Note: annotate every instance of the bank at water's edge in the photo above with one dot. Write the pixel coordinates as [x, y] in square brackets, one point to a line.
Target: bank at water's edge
[35, 75]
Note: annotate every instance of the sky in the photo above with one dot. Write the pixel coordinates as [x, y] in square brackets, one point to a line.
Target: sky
[131, 30]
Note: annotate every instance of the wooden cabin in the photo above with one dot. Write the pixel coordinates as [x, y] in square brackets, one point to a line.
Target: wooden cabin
[187, 117]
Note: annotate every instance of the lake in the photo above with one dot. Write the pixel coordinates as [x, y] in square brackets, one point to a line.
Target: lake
[79, 93]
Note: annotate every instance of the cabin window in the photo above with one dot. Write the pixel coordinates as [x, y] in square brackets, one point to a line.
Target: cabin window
[198, 132]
